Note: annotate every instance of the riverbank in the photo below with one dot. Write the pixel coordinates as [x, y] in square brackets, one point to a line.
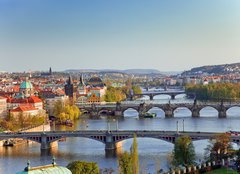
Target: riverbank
[17, 141]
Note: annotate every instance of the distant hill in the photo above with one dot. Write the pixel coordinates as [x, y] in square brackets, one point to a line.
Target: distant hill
[214, 69]
[128, 71]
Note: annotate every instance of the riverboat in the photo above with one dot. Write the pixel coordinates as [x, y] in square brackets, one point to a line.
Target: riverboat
[149, 115]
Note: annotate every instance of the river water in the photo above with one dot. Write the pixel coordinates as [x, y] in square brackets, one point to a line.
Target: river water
[153, 154]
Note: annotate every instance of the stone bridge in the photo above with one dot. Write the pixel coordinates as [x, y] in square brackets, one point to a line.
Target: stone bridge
[109, 138]
[118, 109]
[173, 94]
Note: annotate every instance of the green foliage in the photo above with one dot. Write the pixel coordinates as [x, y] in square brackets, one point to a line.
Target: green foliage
[219, 148]
[136, 90]
[129, 162]
[65, 112]
[82, 167]
[222, 171]
[184, 153]
[23, 121]
[114, 95]
[134, 153]
[215, 91]
[125, 163]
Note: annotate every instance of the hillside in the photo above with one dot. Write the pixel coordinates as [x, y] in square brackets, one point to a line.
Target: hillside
[215, 69]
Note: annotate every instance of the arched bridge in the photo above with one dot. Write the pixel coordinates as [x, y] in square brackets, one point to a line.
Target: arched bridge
[118, 108]
[109, 138]
[151, 94]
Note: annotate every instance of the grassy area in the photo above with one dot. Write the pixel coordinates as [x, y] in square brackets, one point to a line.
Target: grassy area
[222, 171]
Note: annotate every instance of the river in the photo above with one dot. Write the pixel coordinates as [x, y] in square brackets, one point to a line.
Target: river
[153, 153]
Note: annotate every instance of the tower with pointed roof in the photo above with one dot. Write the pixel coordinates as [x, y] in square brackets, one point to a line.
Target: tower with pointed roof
[50, 71]
[81, 88]
[69, 87]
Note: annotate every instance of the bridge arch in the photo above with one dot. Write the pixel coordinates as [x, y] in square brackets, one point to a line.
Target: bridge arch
[209, 111]
[233, 111]
[144, 97]
[130, 111]
[167, 139]
[180, 96]
[182, 111]
[104, 112]
[161, 96]
[158, 110]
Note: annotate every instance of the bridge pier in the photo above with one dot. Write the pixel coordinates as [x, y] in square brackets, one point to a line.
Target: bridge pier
[151, 97]
[118, 113]
[222, 111]
[109, 144]
[44, 143]
[222, 114]
[172, 97]
[168, 113]
[195, 113]
[94, 114]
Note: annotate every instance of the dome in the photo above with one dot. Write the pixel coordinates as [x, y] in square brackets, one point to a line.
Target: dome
[26, 85]
[95, 80]
[47, 170]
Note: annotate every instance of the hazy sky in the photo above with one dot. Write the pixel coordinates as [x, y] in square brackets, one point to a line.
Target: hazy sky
[168, 35]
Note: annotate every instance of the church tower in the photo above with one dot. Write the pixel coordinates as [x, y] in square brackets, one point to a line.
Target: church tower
[69, 87]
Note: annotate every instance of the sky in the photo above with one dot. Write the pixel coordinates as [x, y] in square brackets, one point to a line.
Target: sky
[168, 35]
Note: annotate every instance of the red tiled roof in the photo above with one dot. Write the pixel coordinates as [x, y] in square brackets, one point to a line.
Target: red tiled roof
[23, 108]
[34, 99]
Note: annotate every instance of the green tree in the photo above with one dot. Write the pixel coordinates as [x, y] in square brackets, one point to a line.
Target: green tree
[58, 108]
[134, 153]
[219, 148]
[82, 167]
[125, 163]
[136, 90]
[183, 153]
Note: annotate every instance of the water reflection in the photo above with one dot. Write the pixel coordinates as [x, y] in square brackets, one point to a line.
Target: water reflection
[153, 153]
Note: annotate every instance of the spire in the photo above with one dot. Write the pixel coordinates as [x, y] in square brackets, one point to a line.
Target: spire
[81, 83]
[50, 71]
[70, 80]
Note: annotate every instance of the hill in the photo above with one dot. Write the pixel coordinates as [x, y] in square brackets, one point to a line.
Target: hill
[215, 69]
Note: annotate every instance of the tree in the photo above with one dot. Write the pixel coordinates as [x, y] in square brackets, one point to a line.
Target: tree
[183, 153]
[218, 149]
[58, 108]
[237, 163]
[125, 163]
[136, 90]
[134, 153]
[82, 167]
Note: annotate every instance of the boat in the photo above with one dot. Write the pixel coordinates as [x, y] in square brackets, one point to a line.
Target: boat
[149, 115]
[8, 143]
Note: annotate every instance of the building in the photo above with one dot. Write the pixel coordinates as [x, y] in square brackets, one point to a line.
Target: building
[81, 88]
[50, 169]
[3, 107]
[25, 90]
[25, 110]
[69, 87]
[50, 102]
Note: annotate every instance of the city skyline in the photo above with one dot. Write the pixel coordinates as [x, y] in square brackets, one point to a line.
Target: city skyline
[163, 35]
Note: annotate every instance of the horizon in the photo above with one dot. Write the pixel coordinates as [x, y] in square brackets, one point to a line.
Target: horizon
[162, 35]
